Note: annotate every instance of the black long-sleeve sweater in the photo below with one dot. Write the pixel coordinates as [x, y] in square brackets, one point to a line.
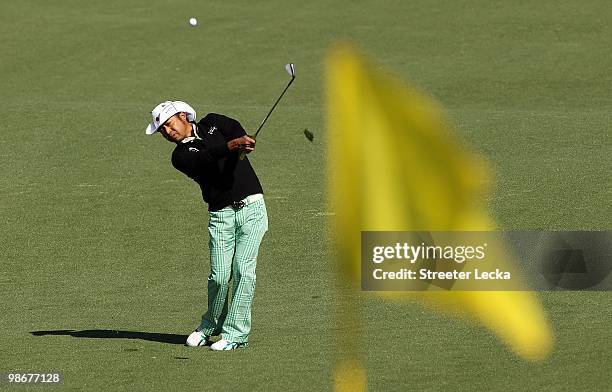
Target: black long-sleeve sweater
[205, 157]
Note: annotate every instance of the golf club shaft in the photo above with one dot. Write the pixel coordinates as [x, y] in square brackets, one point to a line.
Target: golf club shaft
[243, 154]
[274, 106]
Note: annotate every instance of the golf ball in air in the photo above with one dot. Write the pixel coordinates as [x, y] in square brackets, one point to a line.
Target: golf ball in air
[193, 21]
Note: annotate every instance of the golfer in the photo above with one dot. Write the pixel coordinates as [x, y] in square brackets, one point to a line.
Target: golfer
[209, 153]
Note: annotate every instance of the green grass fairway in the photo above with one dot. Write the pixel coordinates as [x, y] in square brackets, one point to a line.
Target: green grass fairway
[104, 244]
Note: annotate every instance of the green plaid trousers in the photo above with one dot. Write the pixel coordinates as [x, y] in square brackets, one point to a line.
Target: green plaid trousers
[235, 237]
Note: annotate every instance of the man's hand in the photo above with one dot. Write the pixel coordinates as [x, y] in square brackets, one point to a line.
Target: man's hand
[245, 144]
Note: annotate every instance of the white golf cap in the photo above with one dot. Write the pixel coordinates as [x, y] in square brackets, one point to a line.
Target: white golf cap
[165, 110]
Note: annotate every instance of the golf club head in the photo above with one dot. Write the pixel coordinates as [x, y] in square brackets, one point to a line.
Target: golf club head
[290, 68]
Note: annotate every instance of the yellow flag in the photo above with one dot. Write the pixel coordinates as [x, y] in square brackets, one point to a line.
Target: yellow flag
[394, 165]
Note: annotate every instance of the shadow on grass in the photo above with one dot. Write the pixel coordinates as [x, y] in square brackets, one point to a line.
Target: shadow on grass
[113, 334]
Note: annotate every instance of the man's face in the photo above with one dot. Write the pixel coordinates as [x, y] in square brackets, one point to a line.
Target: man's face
[176, 128]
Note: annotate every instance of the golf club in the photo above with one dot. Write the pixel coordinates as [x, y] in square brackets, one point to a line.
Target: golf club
[290, 68]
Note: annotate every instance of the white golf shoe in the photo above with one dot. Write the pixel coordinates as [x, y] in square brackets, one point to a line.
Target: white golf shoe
[226, 345]
[196, 339]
